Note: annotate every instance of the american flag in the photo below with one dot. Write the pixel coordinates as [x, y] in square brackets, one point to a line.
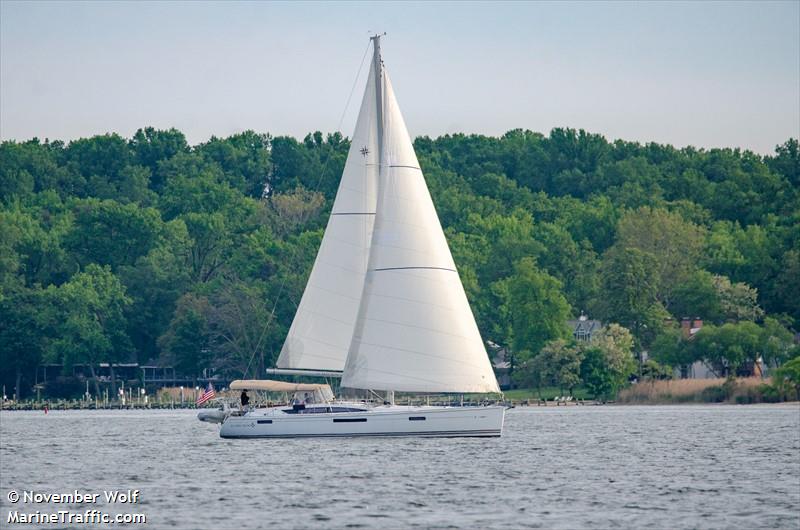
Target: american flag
[207, 394]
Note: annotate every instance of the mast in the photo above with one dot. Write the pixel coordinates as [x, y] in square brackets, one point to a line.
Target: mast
[378, 69]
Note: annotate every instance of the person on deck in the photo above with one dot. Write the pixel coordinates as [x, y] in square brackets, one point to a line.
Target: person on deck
[245, 399]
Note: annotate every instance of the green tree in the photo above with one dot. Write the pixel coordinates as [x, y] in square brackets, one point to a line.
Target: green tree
[728, 347]
[299, 209]
[110, 233]
[716, 299]
[211, 244]
[670, 348]
[87, 316]
[776, 343]
[102, 156]
[237, 317]
[154, 283]
[151, 146]
[784, 290]
[537, 310]
[595, 374]
[195, 185]
[699, 296]
[21, 336]
[558, 363]
[186, 343]
[738, 301]
[33, 167]
[654, 370]
[608, 361]
[787, 378]
[130, 185]
[629, 285]
[35, 249]
[786, 161]
[674, 244]
[245, 160]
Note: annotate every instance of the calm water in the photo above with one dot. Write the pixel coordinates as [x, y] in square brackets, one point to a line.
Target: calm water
[592, 467]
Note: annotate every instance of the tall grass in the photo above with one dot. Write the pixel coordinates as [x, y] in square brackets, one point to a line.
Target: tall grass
[741, 390]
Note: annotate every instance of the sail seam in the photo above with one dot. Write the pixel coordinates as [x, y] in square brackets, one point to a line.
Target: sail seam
[413, 378]
[413, 301]
[323, 315]
[402, 247]
[318, 286]
[455, 360]
[346, 242]
[308, 356]
[350, 188]
[332, 345]
[353, 213]
[407, 268]
[432, 330]
[400, 165]
[316, 356]
[332, 264]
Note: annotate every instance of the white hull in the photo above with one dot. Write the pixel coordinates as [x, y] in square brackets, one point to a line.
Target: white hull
[212, 415]
[387, 420]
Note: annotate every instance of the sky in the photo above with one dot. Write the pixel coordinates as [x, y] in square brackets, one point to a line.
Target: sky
[707, 74]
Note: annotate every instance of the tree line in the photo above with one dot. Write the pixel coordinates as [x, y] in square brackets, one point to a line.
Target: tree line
[151, 250]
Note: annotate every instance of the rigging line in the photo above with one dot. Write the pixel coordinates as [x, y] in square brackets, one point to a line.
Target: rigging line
[308, 213]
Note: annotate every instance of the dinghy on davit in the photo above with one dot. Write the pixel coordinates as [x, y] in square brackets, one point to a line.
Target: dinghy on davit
[384, 308]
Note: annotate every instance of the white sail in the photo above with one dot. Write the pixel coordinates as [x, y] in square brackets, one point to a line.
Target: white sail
[322, 330]
[415, 331]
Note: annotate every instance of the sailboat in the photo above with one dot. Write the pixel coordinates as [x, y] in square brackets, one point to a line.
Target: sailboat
[384, 308]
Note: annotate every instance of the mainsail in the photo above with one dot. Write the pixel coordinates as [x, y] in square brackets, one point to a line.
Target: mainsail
[384, 300]
[322, 330]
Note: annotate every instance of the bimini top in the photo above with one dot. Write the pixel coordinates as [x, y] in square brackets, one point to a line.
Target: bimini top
[268, 385]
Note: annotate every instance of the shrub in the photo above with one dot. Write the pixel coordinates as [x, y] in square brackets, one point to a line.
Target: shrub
[714, 394]
[786, 379]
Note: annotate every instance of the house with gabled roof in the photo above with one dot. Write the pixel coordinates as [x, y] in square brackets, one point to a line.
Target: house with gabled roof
[583, 328]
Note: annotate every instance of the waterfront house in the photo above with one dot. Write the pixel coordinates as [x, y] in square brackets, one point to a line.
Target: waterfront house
[698, 369]
[583, 328]
[702, 370]
[501, 364]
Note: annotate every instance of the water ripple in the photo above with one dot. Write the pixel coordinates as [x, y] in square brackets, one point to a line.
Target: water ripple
[568, 467]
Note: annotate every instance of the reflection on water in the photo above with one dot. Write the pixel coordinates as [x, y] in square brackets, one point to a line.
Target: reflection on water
[592, 467]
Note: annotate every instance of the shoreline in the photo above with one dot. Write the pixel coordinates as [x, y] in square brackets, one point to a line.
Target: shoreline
[511, 405]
